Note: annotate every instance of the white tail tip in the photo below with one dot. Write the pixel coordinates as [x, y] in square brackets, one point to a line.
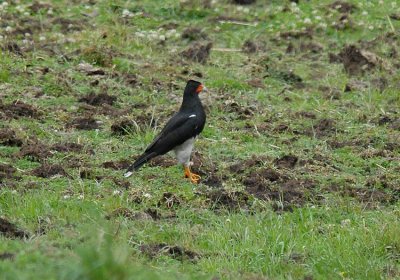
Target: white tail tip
[128, 174]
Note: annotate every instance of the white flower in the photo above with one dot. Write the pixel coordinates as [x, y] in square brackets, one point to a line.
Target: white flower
[364, 13]
[116, 192]
[81, 196]
[318, 18]
[27, 14]
[19, 8]
[125, 13]
[161, 37]
[50, 11]
[66, 196]
[8, 29]
[307, 21]
[147, 195]
[42, 38]
[370, 27]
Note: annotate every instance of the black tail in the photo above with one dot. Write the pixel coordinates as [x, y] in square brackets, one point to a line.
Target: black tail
[138, 163]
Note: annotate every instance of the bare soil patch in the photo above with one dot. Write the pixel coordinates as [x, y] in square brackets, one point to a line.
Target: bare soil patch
[12, 47]
[343, 7]
[357, 61]
[287, 161]
[123, 127]
[198, 52]
[6, 172]
[250, 46]
[10, 230]
[84, 123]
[322, 128]
[34, 151]
[194, 34]
[8, 138]
[118, 164]
[7, 256]
[47, 170]
[98, 99]
[162, 161]
[244, 2]
[18, 109]
[67, 147]
[248, 164]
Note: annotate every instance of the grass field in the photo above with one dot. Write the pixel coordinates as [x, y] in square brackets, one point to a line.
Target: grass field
[299, 157]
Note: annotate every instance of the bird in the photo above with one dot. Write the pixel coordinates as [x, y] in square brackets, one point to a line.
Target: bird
[179, 133]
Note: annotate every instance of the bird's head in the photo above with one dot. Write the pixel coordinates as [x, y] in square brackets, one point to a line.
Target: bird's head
[194, 87]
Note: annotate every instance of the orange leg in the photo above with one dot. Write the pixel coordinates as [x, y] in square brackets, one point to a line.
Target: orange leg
[194, 178]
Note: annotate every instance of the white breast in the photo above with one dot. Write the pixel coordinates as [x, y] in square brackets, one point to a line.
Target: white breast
[184, 151]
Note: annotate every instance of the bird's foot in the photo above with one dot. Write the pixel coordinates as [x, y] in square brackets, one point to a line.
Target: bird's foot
[194, 178]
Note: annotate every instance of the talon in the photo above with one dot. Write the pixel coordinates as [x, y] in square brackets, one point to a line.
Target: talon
[194, 178]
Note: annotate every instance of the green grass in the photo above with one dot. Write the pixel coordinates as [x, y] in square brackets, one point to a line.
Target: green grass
[340, 218]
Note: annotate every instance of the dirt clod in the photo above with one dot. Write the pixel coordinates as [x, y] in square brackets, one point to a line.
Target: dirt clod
[6, 171]
[84, 123]
[287, 161]
[12, 47]
[250, 46]
[18, 109]
[118, 164]
[322, 128]
[247, 164]
[194, 34]
[8, 138]
[34, 151]
[123, 127]
[162, 162]
[256, 83]
[357, 61]
[7, 256]
[98, 99]
[67, 147]
[343, 7]
[10, 230]
[198, 52]
[49, 170]
[244, 2]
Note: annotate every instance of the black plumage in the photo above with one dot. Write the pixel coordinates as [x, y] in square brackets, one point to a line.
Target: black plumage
[179, 131]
